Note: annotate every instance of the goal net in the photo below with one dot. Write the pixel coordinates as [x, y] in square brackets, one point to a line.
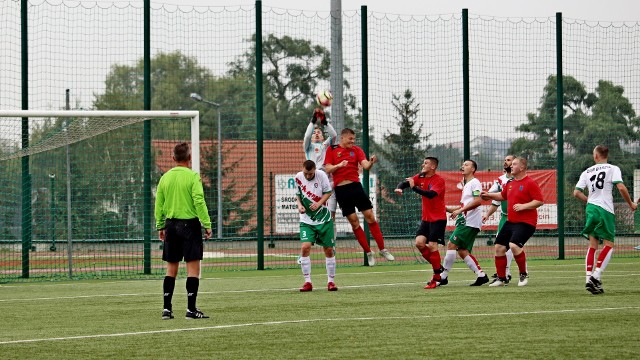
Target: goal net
[76, 186]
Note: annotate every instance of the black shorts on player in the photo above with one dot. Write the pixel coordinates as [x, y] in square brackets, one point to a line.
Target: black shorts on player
[517, 233]
[352, 196]
[433, 231]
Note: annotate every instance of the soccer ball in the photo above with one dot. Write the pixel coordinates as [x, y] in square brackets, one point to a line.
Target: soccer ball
[324, 98]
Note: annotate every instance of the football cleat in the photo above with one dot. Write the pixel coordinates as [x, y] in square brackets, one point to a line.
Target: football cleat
[431, 284]
[594, 286]
[331, 286]
[167, 314]
[371, 257]
[306, 287]
[523, 279]
[443, 281]
[499, 282]
[480, 281]
[387, 255]
[196, 314]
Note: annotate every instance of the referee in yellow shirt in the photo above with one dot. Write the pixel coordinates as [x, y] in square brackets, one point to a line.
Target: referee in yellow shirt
[180, 212]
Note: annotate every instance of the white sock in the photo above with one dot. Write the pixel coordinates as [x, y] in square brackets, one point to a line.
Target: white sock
[589, 273]
[598, 272]
[449, 258]
[305, 264]
[509, 260]
[331, 268]
[472, 265]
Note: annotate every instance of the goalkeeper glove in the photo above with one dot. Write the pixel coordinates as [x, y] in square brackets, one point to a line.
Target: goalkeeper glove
[318, 114]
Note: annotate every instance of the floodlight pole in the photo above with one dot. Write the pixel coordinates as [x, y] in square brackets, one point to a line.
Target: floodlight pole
[197, 97]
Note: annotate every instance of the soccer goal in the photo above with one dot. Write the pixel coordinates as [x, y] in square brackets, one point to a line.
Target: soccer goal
[76, 186]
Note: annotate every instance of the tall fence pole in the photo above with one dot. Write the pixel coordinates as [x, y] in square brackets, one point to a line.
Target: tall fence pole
[259, 137]
[465, 83]
[336, 77]
[560, 135]
[365, 109]
[146, 134]
[26, 176]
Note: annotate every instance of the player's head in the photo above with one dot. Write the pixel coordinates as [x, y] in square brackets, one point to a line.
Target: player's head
[469, 167]
[430, 164]
[600, 153]
[518, 166]
[507, 163]
[318, 136]
[347, 138]
[181, 153]
[309, 169]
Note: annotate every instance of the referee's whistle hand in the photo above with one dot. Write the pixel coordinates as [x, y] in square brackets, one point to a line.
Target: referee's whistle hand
[207, 233]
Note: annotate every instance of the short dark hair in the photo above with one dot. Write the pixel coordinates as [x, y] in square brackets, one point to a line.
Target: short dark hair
[603, 151]
[181, 152]
[309, 165]
[433, 160]
[475, 165]
[347, 131]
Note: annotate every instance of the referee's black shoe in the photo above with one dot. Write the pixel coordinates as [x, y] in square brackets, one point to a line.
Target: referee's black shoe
[196, 314]
[167, 314]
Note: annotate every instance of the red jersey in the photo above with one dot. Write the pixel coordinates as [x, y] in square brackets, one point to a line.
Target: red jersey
[432, 209]
[354, 156]
[521, 192]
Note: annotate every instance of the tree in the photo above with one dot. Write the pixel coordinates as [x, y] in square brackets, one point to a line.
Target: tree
[401, 156]
[292, 70]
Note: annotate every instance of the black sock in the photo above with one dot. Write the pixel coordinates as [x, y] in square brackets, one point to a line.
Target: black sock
[192, 292]
[167, 287]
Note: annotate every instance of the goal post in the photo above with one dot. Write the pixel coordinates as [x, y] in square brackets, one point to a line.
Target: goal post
[104, 197]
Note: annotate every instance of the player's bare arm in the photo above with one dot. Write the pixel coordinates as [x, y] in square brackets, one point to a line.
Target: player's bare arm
[491, 211]
[301, 208]
[485, 195]
[470, 206]
[332, 168]
[320, 202]
[625, 195]
[367, 164]
[533, 204]
[580, 195]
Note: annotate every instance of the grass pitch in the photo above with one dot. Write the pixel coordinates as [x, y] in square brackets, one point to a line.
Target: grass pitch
[378, 312]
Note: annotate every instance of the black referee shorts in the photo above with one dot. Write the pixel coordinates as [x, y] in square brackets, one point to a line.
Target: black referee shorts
[351, 196]
[517, 233]
[183, 240]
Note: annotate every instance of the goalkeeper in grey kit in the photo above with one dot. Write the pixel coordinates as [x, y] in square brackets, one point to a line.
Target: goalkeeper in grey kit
[315, 148]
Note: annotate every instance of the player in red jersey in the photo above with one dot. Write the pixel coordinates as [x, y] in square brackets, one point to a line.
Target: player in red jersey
[523, 197]
[434, 214]
[342, 162]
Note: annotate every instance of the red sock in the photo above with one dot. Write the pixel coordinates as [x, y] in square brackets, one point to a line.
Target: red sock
[362, 239]
[426, 254]
[435, 260]
[603, 254]
[374, 229]
[591, 258]
[521, 260]
[501, 266]
[475, 261]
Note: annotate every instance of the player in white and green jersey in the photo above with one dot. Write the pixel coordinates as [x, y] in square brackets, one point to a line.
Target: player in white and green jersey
[599, 228]
[497, 186]
[468, 218]
[316, 223]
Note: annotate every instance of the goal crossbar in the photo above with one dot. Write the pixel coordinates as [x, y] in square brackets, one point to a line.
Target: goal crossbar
[194, 115]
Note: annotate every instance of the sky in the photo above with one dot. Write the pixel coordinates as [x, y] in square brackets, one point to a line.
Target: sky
[595, 10]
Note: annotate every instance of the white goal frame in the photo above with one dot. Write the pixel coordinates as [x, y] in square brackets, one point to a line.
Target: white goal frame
[194, 115]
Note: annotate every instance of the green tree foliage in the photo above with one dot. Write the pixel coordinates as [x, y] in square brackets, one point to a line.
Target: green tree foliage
[401, 156]
[293, 70]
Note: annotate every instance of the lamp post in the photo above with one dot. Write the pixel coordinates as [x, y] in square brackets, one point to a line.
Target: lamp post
[198, 97]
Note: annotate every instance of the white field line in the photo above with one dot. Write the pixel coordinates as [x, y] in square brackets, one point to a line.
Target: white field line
[308, 321]
[609, 274]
